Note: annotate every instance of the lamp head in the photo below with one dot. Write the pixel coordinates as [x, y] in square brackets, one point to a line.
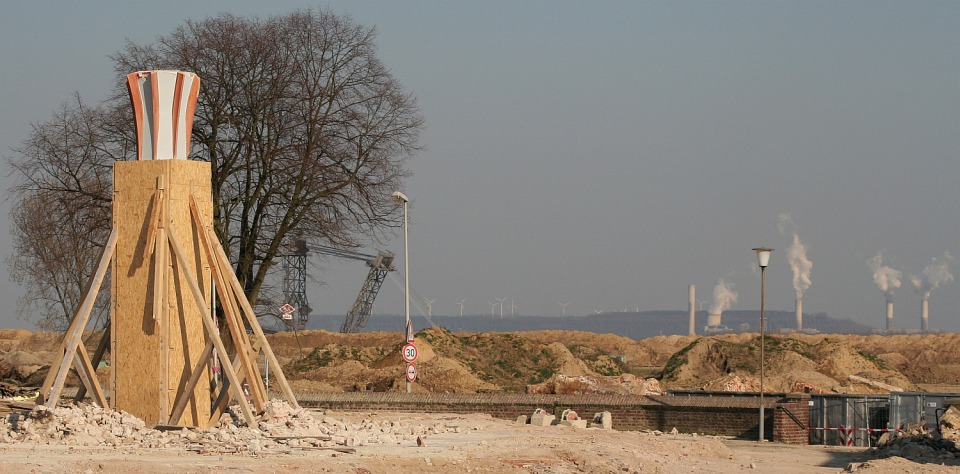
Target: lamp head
[399, 197]
[763, 256]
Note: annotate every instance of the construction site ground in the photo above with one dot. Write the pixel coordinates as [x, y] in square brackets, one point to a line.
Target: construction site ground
[535, 362]
[483, 444]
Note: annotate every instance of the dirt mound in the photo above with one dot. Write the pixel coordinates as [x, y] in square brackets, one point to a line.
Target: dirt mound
[625, 384]
[566, 363]
[509, 362]
[733, 383]
[839, 361]
[443, 375]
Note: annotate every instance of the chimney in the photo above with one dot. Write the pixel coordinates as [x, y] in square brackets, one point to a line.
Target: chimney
[889, 316]
[691, 303]
[799, 314]
[924, 313]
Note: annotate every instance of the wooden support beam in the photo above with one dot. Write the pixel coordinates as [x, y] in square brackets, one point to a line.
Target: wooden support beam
[50, 392]
[209, 325]
[95, 361]
[232, 314]
[89, 376]
[224, 263]
[198, 371]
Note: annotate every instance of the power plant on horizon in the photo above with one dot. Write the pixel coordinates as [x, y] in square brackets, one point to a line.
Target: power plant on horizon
[887, 280]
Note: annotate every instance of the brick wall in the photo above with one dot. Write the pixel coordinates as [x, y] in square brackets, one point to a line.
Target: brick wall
[722, 416]
[791, 418]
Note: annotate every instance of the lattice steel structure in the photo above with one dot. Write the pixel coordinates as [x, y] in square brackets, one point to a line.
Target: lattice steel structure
[295, 284]
[363, 307]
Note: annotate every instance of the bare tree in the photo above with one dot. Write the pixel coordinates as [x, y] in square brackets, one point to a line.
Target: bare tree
[61, 215]
[307, 132]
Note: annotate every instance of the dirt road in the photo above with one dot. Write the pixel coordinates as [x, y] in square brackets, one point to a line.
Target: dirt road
[478, 443]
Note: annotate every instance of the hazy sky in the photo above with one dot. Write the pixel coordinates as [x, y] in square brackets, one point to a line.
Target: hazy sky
[608, 154]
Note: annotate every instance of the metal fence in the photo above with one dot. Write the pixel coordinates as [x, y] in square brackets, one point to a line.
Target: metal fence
[910, 408]
[848, 420]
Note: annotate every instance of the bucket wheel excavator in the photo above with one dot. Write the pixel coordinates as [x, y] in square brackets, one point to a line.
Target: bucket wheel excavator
[380, 265]
[295, 283]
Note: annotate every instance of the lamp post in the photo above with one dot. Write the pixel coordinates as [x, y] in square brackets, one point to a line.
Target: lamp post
[763, 258]
[399, 198]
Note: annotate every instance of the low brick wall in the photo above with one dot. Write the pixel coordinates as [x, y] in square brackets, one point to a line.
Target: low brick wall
[722, 416]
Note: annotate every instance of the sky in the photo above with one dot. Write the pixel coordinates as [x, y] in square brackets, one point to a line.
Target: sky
[606, 155]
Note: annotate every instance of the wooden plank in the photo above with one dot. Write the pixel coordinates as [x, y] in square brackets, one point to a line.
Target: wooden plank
[158, 334]
[228, 302]
[95, 361]
[255, 325]
[161, 320]
[75, 332]
[89, 376]
[211, 327]
[198, 371]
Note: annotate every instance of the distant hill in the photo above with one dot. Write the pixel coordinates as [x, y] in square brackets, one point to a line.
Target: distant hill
[628, 324]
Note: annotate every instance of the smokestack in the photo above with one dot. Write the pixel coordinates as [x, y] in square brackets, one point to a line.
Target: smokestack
[691, 303]
[799, 314]
[713, 319]
[889, 315]
[924, 313]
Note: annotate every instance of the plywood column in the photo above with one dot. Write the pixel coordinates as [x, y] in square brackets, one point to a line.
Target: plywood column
[157, 331]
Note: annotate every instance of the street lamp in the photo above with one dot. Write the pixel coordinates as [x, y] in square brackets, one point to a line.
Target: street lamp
[399, 198]
[763, 258]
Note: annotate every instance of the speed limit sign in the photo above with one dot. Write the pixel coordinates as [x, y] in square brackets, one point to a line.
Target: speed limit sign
[409, 352]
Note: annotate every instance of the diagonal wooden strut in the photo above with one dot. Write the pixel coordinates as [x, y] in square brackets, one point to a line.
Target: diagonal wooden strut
[221, 262]
[70, 346]
[210, 326]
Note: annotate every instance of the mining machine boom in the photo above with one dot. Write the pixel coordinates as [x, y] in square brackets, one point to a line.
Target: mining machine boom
[380, 265]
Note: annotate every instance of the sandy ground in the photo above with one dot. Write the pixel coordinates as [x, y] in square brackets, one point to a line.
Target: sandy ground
[480, 444]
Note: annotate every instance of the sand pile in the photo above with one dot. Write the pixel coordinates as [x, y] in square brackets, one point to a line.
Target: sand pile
[624, 384]
[281, 428]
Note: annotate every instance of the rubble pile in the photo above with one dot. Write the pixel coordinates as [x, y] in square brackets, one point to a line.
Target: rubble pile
[280, 429]
[918, 443]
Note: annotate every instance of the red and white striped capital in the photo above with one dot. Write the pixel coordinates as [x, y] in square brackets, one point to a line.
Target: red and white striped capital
[163, 105]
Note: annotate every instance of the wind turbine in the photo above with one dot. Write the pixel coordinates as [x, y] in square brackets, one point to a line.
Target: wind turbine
[429, 306]
[700, 304]
[501, 300]
[461, 306]
[563, 308]
[513, 307]
[492, 307]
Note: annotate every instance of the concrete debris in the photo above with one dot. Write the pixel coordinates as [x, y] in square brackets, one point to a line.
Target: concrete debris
[873, 383]
[917, 443]
[280, 429]
[602, 420]
[541, 418]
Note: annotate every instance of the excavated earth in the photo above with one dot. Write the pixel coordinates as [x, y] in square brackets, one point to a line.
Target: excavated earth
[92, 439]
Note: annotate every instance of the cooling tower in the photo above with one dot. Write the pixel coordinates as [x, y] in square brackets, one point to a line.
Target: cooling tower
[691, 303]
[924, 313]
[799, 314]
[889, 315]
[713, 320]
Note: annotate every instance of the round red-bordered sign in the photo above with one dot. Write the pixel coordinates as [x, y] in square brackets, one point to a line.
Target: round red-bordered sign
[409, 352]
[411, 372]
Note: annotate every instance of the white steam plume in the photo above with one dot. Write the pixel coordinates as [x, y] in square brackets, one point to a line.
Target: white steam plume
[935, 274]
[797, 256]
[886, 278]
[723, 297]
